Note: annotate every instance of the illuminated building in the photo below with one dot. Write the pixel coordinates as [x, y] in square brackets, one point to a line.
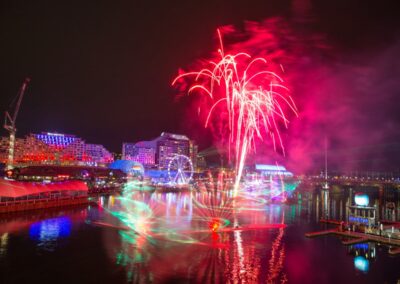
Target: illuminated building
[193, 151]
[168, 145]
[361, 212]
[56, 149]
[272, 170]
[143, 152]
[128, 151]
[201, 162]
[4, 145]
[129, 167]
[262, 172]
[97, 153]
[158, 152]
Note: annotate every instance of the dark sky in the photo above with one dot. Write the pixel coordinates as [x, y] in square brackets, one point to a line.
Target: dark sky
[102, 69]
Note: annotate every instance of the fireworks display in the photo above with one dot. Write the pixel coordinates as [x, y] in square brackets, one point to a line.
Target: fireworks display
[250, 100]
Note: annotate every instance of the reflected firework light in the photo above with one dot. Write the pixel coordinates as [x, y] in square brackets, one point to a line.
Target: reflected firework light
[136, 185]
[214, 228]
[247, 98]
[214, 225]
[215, 209]
[134, 212]
[188, 219]
[277, 259]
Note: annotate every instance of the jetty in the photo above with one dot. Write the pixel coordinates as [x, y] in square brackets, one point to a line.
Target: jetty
[357, 237]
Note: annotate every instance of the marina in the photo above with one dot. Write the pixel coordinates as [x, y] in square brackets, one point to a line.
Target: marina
[200, 142]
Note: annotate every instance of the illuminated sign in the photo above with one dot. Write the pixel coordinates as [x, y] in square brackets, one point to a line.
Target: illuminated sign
[361, 199]
[359, 220]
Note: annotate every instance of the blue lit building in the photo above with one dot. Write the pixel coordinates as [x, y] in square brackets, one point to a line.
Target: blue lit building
[131, 168]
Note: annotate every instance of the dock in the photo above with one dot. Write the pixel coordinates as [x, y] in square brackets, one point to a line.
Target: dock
[357, 237]
[320, 233]
[394, 251]
[355, 241]
[332, 222]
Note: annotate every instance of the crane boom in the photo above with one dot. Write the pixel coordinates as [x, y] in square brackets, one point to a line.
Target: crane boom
[10, 120]
[9, 123]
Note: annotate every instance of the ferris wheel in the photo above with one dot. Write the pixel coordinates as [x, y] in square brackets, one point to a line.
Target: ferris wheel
[180, 169]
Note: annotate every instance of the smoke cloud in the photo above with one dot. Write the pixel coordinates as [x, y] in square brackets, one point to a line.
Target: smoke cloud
[347, 98]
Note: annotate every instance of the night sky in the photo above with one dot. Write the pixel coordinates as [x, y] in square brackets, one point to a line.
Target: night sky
[102, 69]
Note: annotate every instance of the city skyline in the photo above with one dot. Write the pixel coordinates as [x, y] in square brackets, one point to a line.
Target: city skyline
[104, 72]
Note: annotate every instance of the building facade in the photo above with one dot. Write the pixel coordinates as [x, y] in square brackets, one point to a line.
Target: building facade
[168, 145]
[143, 152]
[55, 149]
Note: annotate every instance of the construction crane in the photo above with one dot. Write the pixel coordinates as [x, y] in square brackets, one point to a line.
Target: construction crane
[9, 124]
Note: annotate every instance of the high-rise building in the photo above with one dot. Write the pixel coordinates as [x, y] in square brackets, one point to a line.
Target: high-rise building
[97, 153]
[143, 152]
[159, 151]
[55, 149]
[193, 151]
[4, 146]
[168, 145]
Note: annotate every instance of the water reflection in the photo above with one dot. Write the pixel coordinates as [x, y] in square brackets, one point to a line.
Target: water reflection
[48, 231]
[361, 263]
[363, 253]
[147, 236]
[248, 244]
[3, 244]
[219, 236]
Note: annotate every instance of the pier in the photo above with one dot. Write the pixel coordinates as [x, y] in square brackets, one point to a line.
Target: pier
[320, 233]
[394, 251]
[356, 237]
[333, 222]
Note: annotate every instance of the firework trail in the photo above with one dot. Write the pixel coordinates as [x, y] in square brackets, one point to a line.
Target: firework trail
[253, 97]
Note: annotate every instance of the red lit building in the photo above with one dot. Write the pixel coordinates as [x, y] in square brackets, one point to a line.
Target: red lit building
[55, 149]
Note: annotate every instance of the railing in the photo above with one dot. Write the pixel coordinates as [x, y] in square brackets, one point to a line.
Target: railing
[40, 200]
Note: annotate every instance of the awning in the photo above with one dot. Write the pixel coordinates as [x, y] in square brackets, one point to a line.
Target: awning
[14, 189]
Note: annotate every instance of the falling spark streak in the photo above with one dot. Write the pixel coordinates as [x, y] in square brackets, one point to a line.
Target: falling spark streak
[251, 98]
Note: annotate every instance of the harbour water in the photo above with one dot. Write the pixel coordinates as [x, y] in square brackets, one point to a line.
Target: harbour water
[158, 237]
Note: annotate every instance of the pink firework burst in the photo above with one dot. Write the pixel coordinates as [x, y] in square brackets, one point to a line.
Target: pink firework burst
[253, 97]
